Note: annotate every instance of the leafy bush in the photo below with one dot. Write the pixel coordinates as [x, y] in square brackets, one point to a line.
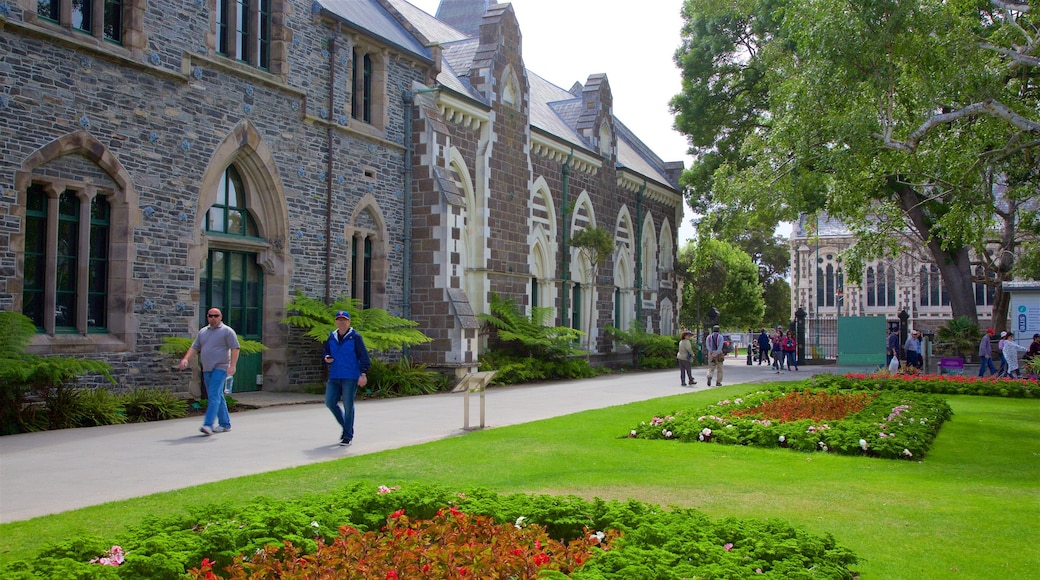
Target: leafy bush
[401, 379]
[653, 542]
[143, 405]
[942, 384]
[891, 424]
[27, 378]
[958, 337]
[649, 350]
[522, 336]
[99, 406]
[514, 369]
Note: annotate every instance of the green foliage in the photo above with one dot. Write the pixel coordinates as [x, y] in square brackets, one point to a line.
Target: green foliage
[891, 424]
[401, 379]
[141, 405]
[99, 406]
[721, 275]
[523, 336]
[958, 337]
[649, 350]
[24, 376]
[513, 369]
[443, 520]
[797, 107]
[178, 346]
[942, 384]
[379, 328]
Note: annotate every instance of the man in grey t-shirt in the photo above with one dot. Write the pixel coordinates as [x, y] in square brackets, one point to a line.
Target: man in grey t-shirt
[217, 347]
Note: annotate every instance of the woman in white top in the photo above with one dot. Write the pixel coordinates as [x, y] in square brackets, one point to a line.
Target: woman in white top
[1010, 351]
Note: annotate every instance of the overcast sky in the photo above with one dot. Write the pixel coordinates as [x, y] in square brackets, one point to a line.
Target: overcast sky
[567, 40]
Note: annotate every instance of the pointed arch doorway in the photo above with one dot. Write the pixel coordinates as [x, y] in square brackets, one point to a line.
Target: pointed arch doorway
[231, 279]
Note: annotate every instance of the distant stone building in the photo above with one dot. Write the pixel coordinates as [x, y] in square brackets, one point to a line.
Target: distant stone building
[909, 282]
[160, 158]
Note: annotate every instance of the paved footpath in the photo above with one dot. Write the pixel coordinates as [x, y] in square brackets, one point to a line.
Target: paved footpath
[54, 471]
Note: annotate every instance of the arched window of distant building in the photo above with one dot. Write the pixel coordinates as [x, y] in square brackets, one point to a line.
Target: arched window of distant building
[984, 293]
[933, 291]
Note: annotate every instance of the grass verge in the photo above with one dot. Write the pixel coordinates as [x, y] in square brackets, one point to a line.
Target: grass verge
[968, 510]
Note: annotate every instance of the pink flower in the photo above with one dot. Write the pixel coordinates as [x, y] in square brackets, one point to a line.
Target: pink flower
[728, 546]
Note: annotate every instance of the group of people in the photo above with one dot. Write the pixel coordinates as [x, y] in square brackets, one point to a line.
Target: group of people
[344, 353]
[778, 349]
[912, 348]
[1008, 350]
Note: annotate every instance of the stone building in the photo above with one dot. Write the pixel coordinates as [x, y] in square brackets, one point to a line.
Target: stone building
[160, 158]
[909, 282]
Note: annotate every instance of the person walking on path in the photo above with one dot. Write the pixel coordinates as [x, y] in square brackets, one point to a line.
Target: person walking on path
[763, 347]
[986, 354]
[1003, 370]
[790, 348]
[218, 350]
[348, 361]
[1011, 350]
[685, 358]
[716, 355]
[777, 349]
[912, 346]
[892, 347]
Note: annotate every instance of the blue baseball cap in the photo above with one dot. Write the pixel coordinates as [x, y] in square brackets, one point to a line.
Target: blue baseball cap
[343, 314]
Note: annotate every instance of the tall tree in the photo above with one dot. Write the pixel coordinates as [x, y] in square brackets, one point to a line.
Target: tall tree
[720, 275]
[894, 116]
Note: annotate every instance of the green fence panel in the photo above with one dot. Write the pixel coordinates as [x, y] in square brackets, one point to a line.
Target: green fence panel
[861, 341]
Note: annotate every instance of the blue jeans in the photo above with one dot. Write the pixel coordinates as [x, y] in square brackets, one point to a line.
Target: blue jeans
[345, 390]
[986, 361]
[216, 407]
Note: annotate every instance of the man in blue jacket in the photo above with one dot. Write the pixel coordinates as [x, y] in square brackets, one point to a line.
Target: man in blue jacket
[348, 361]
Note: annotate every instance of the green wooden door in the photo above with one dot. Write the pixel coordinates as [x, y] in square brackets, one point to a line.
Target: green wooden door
[233, 282]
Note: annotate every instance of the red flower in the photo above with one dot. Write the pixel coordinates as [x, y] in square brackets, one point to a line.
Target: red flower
[392, 574]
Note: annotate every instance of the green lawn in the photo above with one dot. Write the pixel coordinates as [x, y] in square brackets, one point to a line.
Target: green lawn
[969, 510]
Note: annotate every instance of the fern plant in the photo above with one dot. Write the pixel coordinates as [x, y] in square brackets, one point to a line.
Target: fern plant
[381, 330]
[530, 336]
[645, 345]
[45, 377]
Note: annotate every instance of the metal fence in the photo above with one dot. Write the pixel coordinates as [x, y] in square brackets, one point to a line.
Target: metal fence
[821, 339]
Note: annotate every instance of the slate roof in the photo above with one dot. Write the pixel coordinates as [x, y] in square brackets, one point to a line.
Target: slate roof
[369, 16]
[554, 110]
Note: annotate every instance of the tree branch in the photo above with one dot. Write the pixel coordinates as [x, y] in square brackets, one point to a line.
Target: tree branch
[988, 107]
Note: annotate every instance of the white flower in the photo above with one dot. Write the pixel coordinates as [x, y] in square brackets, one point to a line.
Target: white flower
[706, 432]
[519, 522]
[907, 453]
[863, 444]
[633, 433]
[315, 525]
[782, 438]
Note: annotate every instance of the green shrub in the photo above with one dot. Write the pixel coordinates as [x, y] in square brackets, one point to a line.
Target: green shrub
[100, 406]
[142, 405]
[653, 543]
[401, 379]
[940, 384]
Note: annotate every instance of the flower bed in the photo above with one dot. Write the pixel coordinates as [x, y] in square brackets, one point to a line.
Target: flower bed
[394, 532]
[890, 424]
[945, 384]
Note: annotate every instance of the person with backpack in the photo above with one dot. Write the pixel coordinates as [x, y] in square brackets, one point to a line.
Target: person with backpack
[715, 345]
[348, 362]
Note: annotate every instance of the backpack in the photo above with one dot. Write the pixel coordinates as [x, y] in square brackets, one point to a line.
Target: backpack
[727, 348]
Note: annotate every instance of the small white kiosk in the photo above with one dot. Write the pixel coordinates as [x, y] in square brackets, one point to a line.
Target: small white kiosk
[1024, 313]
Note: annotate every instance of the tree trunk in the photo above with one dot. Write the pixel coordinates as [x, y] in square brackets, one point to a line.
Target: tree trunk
[954, 265]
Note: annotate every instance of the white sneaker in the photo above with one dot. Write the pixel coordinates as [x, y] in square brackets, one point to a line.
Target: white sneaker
[205, 429]
[219, 429]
